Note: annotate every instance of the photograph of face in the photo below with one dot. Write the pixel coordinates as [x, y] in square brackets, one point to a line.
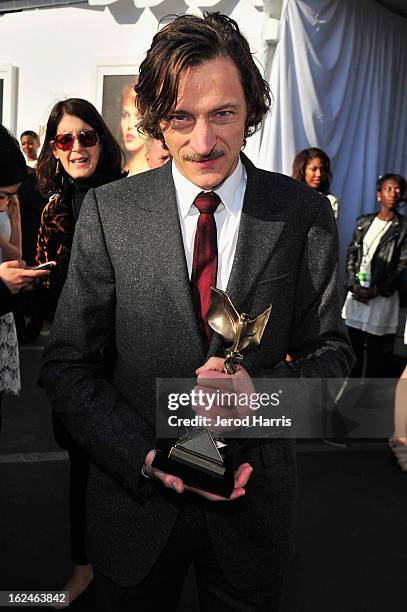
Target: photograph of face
[120, 113]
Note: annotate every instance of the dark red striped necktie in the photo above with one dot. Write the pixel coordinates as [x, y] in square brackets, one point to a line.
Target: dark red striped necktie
[205, 260]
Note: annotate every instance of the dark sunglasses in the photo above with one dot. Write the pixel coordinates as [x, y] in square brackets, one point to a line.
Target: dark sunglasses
[86, 138]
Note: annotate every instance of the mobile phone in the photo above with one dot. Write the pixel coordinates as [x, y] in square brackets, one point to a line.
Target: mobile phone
[45, 266]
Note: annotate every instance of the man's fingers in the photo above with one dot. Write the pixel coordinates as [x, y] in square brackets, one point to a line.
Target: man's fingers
[236, 493]
[214, 364]
[242, 475]
[149, 458]
[168, 480]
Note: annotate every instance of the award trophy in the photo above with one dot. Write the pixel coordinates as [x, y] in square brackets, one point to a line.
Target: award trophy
[199, 458]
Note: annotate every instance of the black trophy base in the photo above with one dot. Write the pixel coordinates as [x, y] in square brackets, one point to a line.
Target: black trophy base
[195, 469]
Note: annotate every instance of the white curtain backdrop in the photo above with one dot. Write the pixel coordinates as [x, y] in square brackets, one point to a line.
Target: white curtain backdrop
[339, 83]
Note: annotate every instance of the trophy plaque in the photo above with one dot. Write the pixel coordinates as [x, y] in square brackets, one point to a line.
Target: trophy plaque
[199, 458]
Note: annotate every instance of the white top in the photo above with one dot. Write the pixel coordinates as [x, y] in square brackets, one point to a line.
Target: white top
[227, 218]
[405, 332]
[380, 316]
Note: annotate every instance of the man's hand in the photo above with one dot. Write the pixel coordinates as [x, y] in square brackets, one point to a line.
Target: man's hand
[213, 380]
[242, 475]
[16, 276]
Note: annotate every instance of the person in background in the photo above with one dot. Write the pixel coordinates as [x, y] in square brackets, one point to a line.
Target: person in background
[13, 173]
[156, 155]
[79, 152]
[28, 307]
[14, 275]
[130, 139]
[313, 167]
[376, 257]
[30, 143]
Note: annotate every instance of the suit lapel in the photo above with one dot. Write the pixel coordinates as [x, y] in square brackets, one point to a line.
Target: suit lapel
[167, 250]
[258, 235]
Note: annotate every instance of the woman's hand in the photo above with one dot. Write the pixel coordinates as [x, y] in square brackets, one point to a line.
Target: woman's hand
[364, 294]
[16, 276]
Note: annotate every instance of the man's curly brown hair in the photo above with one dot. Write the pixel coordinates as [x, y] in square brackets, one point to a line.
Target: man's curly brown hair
[190, 41]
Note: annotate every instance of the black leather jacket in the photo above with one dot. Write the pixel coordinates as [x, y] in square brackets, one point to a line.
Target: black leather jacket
[389, 259]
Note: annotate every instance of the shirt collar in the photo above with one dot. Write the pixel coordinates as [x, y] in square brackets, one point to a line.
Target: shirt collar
[187, 191]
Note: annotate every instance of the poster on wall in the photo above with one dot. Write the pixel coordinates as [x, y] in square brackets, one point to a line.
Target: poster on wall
[116, 101]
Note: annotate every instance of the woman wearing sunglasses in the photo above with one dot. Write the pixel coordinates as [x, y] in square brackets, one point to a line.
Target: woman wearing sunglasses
[79, 152]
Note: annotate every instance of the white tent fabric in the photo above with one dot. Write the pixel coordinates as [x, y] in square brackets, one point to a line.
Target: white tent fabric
[339, 83]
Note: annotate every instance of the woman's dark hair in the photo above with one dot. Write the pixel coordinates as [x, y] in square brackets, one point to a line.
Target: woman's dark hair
[111, 155]
[396, 177]
[301, 161]
[30, 133]
[190, 41]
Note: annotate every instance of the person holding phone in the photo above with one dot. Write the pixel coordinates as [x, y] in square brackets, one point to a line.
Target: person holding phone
[14, 274]
[79, 152]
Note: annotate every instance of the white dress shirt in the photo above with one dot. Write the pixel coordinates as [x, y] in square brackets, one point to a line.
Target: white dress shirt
[227, 218]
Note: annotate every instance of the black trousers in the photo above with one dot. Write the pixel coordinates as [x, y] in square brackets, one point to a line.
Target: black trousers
[376, 352]
[188, 543]
[78, 482]
[79, 472]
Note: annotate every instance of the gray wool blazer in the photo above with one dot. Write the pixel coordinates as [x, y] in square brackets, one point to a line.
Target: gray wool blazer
[127, 271]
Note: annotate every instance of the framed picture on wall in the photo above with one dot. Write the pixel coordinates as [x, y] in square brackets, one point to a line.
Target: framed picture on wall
[8, 96]
[116, 102]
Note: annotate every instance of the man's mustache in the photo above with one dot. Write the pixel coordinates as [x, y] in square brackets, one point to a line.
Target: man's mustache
[196, 157]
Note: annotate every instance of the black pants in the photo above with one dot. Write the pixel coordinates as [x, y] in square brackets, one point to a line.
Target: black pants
[79, 472]
[188, 543]
[78, 481]
[376, 351]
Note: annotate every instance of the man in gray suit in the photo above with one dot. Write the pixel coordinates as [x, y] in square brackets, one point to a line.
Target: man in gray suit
[133, 309]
